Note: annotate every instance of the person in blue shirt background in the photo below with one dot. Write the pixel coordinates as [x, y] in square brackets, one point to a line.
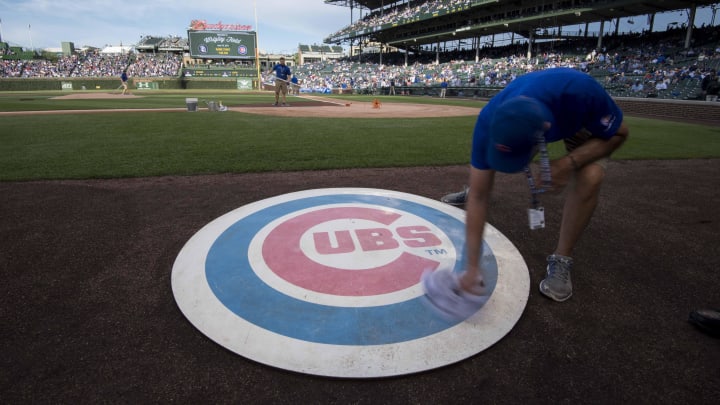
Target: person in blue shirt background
[443, 88]
[533, 110]
[294, 85]
[282, 75]
[124, 82]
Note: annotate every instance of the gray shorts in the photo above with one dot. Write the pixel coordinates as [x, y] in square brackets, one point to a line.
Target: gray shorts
[281, 87]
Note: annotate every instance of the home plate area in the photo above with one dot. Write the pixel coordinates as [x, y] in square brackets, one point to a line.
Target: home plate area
[327, 282]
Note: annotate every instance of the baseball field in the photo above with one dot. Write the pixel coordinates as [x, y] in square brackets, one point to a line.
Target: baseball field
[99, 192]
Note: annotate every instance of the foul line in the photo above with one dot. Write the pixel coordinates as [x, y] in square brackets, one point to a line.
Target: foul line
[320, 99]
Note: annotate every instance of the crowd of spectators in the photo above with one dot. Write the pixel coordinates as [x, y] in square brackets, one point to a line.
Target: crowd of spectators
[634, 65]
[414, 11]
[94, 64]
[402, 14]
[641, 65]
[648, 68]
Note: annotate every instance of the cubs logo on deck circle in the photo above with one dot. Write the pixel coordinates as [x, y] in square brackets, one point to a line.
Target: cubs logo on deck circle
[327, 282]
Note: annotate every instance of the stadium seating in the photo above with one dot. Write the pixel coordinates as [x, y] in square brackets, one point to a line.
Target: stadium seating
[625, 59]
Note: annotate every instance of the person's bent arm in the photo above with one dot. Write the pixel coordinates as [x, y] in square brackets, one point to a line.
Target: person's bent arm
[476, 206]
[596, 148]
[588, 152]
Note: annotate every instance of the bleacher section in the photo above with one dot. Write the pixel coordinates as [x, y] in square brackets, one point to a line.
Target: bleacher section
[427, 24]
[648, 59]
[92, 64]
[8, 52]
[319, 53]
[173, 44]
[409, 13]
[148, 44]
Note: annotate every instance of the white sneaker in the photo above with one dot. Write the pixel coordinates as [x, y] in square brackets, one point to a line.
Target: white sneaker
[457, 198]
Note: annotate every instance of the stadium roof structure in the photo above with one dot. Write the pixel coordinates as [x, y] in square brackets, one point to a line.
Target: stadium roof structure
[368, 4]
[489, 17]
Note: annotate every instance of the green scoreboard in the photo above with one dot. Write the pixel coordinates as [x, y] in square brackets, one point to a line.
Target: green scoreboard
[222, 44]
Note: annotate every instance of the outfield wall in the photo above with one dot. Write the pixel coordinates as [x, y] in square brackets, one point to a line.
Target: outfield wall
[111, 83]
[676, 110]
[679, 110]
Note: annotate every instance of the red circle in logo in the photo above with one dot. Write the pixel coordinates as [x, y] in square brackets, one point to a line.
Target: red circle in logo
[283, 253]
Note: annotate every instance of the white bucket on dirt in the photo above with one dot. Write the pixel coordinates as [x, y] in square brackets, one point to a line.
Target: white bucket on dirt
[192, 104]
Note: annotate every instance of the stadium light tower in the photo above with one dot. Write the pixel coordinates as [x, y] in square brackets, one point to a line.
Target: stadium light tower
[256, 19]
[32, 48]
[257, 47]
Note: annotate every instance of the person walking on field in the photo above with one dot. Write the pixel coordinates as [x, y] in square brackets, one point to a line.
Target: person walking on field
[533, 110]
[711, 86]
[124, 82]
[294, 85]
[282, 75]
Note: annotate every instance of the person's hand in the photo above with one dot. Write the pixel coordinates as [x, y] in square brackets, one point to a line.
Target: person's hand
[472, 283]
[562, 171]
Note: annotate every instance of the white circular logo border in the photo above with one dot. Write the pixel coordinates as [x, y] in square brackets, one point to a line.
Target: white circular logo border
[207, 313]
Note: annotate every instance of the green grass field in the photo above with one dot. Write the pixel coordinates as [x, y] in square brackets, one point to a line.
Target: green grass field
[111, 145]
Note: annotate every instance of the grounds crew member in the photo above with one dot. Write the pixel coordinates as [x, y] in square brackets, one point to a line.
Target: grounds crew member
[282, 75]
[533, 110]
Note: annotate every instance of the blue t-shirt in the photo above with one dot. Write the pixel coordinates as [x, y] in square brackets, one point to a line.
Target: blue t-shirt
[282, 71]
[575, 100]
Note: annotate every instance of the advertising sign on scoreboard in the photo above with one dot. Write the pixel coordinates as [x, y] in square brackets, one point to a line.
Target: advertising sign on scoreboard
[222, 44]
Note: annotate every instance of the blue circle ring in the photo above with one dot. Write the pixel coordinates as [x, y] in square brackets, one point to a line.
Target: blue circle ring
[230, 276]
